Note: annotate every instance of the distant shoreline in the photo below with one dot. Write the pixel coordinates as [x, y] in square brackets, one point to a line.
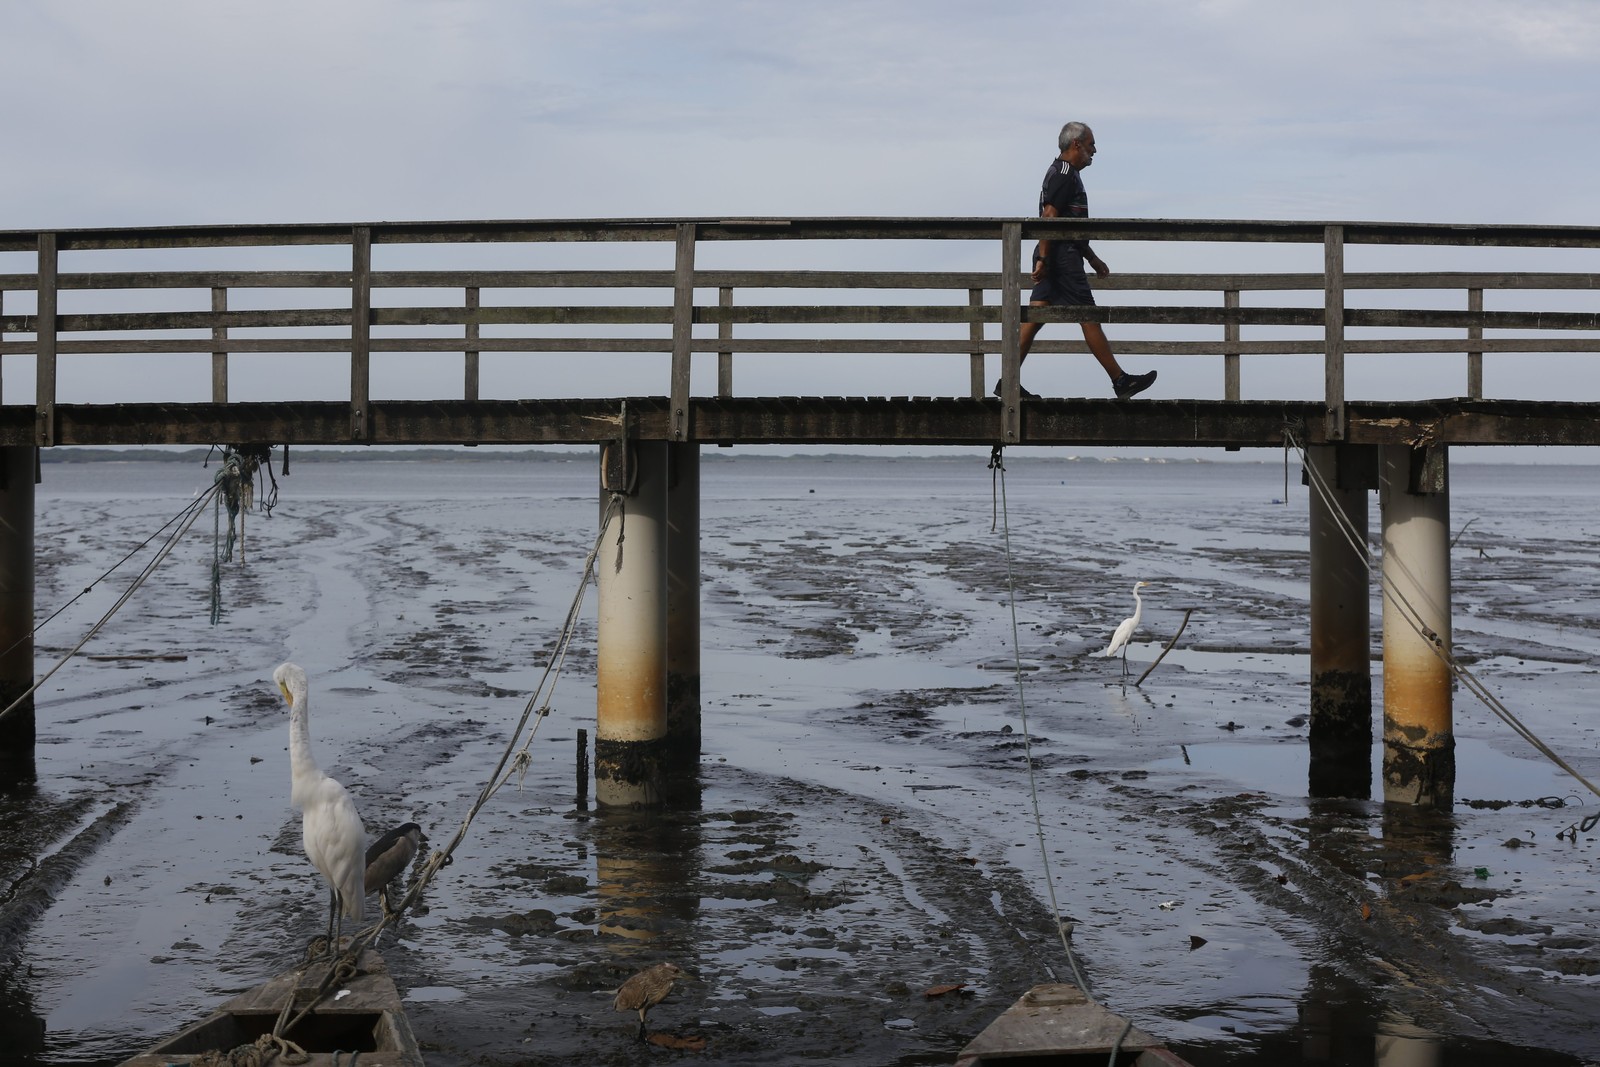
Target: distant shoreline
[748, 454]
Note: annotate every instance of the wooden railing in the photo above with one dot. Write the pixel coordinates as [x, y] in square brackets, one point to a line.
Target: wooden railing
[99, 321]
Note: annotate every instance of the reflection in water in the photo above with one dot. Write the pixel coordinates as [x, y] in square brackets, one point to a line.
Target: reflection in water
[32, 869]
[1340, 768]
[1342, 1023]
[645, 858]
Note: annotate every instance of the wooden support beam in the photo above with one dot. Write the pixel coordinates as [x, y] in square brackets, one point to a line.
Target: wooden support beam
[1333, 328]
[1011, 333]
[975, 332]
[631, 750]
[682, 330]
[1475, 356]
[1230, 348]
[17, 731]
[470, 387]
[1418, 731]
[219, 350]
[45, 343]
[725, 334]
[360, 332]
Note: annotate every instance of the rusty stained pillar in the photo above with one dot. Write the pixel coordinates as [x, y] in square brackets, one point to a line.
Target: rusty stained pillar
[1419, 765]
[630, 749]
[683, 606]
[17, 466]
[1341, 620]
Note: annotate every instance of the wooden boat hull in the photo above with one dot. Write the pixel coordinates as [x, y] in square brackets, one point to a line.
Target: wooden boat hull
[1056, 1024]
[361, 1015]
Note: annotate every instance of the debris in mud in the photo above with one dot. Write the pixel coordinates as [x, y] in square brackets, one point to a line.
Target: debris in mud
[686, 1043]
[944, 990]
[1446, 892]
[536, 921]
[1585, 966]
[1504, 926]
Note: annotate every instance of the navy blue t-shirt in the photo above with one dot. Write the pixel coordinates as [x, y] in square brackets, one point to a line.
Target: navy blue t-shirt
[1064, 189]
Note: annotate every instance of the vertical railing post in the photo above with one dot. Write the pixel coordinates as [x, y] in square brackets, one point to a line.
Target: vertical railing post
[469, 388]
[1475, 356]
[975, 332]
[1333, 327]
[682, 330]
[44, 326]
[360, 331]
[725, 354]
[1010, 333]
[1230, 347]
[219, 353]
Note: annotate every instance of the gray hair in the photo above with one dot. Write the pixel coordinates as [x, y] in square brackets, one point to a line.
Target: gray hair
[1072, 131]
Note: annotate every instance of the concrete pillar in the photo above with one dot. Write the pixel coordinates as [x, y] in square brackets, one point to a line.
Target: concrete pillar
[683, 604]
[1341, 625]
[631, 674]
[1418, 739]
[17, 466]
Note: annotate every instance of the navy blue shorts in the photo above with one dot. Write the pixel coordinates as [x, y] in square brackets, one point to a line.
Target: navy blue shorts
[1064, 287]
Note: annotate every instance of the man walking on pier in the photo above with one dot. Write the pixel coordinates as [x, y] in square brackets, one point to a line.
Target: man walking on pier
[1058, 275]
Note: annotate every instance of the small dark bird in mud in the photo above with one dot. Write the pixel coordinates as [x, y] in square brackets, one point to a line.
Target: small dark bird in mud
[647, 989]
[387, 859]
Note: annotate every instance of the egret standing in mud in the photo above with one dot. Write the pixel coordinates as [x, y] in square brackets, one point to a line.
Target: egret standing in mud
[331, 828]
[647, 989]
[388, 857]
[1124, 634]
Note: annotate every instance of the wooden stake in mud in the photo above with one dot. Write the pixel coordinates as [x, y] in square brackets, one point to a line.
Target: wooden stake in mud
[1418, 737]
[631, 672]
[17, 466]
[583, 769]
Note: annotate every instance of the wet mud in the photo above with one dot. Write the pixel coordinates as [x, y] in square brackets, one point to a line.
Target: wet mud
[861, 832]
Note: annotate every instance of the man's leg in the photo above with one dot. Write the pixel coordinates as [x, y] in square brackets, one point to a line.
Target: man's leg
[1096, 339]
[1030, 330]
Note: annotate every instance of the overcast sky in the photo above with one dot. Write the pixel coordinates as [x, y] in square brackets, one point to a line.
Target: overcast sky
[178, 112]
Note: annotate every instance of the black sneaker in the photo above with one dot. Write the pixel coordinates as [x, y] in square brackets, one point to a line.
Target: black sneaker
[1026, 393]
[1127, 385]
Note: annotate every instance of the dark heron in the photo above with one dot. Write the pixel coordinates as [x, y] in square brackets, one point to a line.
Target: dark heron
[647, 989]
[388, 857]
[330, 826]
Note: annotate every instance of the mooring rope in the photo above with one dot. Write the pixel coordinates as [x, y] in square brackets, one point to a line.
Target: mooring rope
[86, 590]
[997, 464]
[1415, 620]
[440, 858]
[193, 512]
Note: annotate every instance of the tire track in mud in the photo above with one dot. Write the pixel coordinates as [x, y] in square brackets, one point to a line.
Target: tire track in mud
[1380, 911]
[814, 918]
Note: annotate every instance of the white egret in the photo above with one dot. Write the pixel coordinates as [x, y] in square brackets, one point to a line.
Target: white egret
[331, 829]
[1120, 639]
[388, 857]
[647, 989]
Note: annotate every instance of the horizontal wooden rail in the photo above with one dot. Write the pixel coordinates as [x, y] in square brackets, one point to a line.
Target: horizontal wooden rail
[130, 292]
[808, 229]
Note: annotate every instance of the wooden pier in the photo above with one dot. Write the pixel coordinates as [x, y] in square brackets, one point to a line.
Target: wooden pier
[321, 334]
